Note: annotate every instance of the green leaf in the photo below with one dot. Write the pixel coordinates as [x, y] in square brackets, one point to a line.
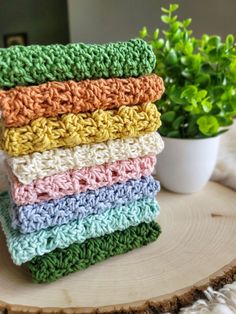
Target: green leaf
[225, 61]
[185, 37]
[165, 19]
[174, 134]
[192, 129]
[160, 43]
[171, 57]
[222, 49]
[156, 33]
[217, 91]
[206, 105]
[189, 92]
[167, 44]
[187, 22]
[144, 32]
[225, 121]
[173, 7]
[185, 60]
[163, 130]
[207, 68]
[189, 48]
[164, 10]
[187, 73]
[233, 104]
[228, 108]
[174, 95]
[204, 39]
[201, 94]
[176, 36]
[175, 26]
[213, 54]
[168, 116]
[229, 41]
[188, 108]
[232, 70]
[196, 61]
[194, 101]
[228, 94]
[214, 41]
[177, 123]
[218, 104]
[175, 99]
[208, 125]
[173, 19]
[203, 80]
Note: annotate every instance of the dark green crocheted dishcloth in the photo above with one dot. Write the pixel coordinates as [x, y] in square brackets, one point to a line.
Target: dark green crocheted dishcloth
[62, 262]
[36, 64]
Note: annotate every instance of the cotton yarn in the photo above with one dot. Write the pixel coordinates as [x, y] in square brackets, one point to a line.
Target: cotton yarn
[39, 165]
[24, 247]
[21, 105]
[38, 64]
[61, 262]
[70, 130]
[77, 181]
[30, 218]
[79, 132]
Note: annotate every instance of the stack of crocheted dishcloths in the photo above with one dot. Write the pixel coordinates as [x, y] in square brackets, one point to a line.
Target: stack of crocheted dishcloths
[79, 132]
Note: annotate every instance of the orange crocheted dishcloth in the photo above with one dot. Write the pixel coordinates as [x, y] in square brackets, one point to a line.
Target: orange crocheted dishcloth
[20, 105]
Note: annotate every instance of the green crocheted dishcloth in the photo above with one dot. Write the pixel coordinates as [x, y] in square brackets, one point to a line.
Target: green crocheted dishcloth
[61, 262]
[36, 64]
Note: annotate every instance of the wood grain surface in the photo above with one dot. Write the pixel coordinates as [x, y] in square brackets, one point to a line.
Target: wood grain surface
[198, 240]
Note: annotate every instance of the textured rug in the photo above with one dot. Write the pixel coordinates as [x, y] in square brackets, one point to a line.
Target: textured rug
[216, 302]
[225, 170]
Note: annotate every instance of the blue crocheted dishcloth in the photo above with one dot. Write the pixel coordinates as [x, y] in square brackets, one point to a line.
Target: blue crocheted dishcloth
[24, 247]
[30, 218]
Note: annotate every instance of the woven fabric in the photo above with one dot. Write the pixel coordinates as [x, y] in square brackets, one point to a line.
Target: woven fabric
[39, 165]
[70, 130]
[61, 262]
[30, 218]
[21, 105]
[77, 181]
[38, 64]
[24, 247]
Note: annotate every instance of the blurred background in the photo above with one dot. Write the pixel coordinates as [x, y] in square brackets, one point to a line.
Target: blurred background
[100, 21]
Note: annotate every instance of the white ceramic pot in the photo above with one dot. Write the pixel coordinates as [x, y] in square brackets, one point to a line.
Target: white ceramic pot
[186, 165]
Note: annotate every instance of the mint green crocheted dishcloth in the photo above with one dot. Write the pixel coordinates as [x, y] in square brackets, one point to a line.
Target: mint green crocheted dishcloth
[36, 64]
[24, 247]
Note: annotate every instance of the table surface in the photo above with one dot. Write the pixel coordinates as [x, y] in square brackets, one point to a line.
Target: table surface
[198, 239]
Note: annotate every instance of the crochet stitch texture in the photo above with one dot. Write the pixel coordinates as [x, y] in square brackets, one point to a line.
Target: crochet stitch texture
[30, 218]
[70, 130]
[37, 64]
[24, 247]
[77, 181]
[21, 105]
[39, 165]
[61, 262]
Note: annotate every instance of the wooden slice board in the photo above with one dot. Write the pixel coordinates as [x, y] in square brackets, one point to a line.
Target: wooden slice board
[198, 240]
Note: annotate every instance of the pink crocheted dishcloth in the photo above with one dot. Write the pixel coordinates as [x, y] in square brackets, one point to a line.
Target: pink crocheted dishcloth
[77, 181]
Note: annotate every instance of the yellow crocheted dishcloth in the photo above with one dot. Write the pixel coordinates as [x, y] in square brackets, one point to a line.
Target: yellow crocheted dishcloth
[70, 130]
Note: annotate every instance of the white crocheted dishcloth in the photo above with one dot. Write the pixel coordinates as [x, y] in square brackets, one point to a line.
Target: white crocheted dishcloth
[39, 165]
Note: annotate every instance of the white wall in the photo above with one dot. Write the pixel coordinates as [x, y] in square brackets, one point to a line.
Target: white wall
[111, 20]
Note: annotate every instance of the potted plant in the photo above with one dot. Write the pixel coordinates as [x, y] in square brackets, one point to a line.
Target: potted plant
[199, 102]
